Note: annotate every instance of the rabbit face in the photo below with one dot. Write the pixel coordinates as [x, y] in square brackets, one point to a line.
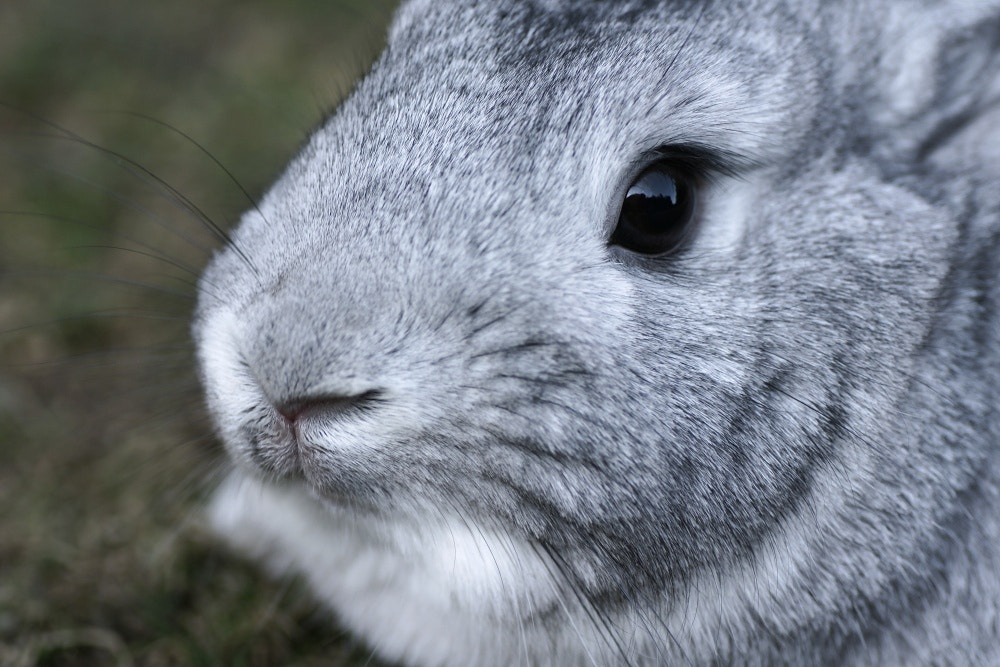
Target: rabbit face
[560, 442]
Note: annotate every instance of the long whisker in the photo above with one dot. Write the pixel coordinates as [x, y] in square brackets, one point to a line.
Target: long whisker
[145, 175]
[200, 147]
[600, 620]
[166, 190]
[153, 252]
[118, 354]
[99, 277]
[670, 66]
[126, 202]
[109, 314]
[557, 577]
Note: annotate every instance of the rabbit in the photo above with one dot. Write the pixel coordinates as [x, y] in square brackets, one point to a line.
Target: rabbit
[632, 333]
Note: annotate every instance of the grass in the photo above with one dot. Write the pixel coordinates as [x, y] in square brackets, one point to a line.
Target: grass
[106, 455]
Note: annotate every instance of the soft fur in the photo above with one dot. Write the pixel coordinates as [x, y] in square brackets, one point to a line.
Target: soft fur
[778, 446]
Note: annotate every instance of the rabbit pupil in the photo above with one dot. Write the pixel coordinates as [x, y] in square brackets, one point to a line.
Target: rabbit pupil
[657, 211]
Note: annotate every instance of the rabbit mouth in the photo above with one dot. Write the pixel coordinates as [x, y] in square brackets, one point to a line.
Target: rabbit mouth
[277, 450]
[290, 442]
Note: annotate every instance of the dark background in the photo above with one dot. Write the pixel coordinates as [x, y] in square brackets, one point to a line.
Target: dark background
[106, 454]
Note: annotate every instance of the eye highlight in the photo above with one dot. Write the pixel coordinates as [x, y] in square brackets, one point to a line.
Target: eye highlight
[656, 216]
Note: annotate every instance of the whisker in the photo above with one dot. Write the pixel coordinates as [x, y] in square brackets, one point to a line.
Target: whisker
[140, 172]
[124, 201]
[200, 147]
[558, 576]
[153, 252]
[97, 277]
[600, 620]
[661, 85]
[196, 285]
[109, 314]
[143, 253]
[116, 353]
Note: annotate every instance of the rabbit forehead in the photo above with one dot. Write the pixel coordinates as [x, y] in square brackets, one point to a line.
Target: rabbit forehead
[524, 109]
[619, 74]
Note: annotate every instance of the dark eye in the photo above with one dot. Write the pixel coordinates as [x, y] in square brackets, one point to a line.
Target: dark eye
[657, 212]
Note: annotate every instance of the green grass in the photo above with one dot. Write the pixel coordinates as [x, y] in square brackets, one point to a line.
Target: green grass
[106, 455]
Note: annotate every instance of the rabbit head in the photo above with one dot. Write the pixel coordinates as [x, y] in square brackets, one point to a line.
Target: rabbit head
[628, 332]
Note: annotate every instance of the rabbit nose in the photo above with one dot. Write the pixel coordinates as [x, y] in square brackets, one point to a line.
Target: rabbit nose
[326, 407]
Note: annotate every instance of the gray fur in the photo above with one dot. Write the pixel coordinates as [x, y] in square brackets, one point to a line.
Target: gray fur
[803, 404]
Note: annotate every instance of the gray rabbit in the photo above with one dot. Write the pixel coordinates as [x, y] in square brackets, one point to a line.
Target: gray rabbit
[593, 333]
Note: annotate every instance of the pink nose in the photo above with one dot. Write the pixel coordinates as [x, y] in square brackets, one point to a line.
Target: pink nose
[326, 406]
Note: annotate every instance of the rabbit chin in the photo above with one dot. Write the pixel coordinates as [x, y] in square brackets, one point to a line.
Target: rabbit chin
[445, 592]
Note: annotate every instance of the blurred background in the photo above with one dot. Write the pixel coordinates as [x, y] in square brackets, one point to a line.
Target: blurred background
[115, 117]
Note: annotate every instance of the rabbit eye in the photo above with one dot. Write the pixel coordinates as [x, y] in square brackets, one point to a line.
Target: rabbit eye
[656, 215]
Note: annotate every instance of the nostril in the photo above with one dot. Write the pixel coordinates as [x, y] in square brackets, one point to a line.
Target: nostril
[330, 405]
[291, 411]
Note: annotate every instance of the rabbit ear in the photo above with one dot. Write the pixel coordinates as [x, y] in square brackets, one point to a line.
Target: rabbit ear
[940, 69]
